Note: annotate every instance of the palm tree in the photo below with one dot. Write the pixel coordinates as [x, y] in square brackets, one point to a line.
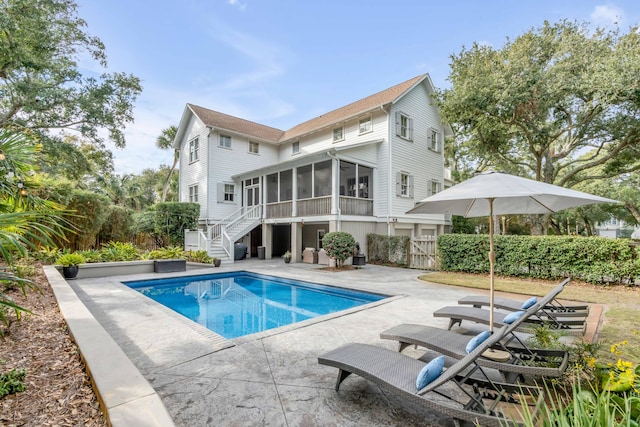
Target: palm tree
[164, 142]
[26, 221]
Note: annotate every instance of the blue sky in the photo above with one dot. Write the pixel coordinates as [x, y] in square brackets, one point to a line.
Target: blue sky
[281, 62]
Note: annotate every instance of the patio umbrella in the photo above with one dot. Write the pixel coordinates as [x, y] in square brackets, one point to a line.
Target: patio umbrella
[496, 193]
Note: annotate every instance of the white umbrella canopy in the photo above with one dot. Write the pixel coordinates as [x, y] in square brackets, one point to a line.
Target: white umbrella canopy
[511, 195]
[496, 193]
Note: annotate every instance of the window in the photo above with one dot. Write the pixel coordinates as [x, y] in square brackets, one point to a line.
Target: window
[404, 184]
[254, 147]
[365, 126]
[404, 126]
[194, 147]
[193, 193]
[295, 147]
[355, 180]
[225, 141]
[228, 192]
[434, 187]
[338, 134]
[434, 140]
[321, 234]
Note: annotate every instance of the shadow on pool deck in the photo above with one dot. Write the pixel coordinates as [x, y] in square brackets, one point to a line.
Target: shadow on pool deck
[270, 378]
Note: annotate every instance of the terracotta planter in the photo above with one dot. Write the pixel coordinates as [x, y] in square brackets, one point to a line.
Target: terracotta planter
[70, 272]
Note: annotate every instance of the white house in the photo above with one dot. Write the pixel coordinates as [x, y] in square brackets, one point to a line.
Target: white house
[358, 169]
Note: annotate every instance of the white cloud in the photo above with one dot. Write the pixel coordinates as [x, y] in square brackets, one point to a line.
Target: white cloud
[607, 16]
[237, 3]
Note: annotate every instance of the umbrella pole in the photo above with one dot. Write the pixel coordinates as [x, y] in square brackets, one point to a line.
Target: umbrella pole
[492, 261]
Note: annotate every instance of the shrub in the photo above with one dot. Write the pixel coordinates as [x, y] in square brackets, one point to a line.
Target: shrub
[12, 382]
[119, 251]
[171, 252]
[339, 245]
[199, 256]
[171, 219]
[69, 259]
[592, 259]
[387, 249]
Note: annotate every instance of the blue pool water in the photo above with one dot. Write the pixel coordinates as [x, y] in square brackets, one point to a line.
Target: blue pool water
[241, 303]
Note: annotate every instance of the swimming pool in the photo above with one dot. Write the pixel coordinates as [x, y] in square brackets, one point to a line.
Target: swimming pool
[240, 303]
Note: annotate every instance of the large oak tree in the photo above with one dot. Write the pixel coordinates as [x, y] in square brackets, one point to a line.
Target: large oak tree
[559, 104]
[41, 85]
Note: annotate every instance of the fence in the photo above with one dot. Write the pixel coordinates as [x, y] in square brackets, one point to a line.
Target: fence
[422, 253]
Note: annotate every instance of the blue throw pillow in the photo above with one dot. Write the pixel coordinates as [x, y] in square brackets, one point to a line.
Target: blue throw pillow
[477, 340]
[512, 317]
[528, 303]
[430, 372]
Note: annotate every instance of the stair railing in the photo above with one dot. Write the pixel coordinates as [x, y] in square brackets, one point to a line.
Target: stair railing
[251, 212]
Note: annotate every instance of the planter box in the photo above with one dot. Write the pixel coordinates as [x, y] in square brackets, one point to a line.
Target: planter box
[169, 265]
[358, 260]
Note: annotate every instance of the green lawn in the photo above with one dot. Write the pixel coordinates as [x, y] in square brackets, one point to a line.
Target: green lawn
[621, 304]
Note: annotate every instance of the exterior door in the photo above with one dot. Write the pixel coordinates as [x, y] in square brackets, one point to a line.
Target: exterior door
[252, 192]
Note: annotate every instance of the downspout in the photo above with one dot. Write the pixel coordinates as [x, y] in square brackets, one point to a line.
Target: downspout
[389, 172]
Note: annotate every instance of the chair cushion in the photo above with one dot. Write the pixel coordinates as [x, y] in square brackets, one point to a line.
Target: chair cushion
[477, 340]
[528, 303]
[512, 317]
[430, 372]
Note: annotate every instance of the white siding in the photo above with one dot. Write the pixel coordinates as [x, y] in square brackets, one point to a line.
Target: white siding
[195, 172]
[415, 157]
[359, 231]
[226, 162]
[323, 139]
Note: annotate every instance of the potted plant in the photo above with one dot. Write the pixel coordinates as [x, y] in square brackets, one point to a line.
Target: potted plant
[287, 257]
[216, 262]
[69, 263]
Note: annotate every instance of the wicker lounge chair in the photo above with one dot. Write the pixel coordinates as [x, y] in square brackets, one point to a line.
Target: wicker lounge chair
[569, 325]
[522, 360]
[454, 393]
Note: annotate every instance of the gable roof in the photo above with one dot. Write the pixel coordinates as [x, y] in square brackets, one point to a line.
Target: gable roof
[234, 124]
[354, 109]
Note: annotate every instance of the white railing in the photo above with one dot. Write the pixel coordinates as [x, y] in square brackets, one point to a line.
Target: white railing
[251, 213]
[227, 244]
[216, 229]
[195, 240]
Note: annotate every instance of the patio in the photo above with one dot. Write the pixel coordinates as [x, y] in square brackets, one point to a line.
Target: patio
[271, 378]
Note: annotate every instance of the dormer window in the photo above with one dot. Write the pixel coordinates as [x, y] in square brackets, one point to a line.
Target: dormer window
[338, 134]
[365, 126]
[225, 141]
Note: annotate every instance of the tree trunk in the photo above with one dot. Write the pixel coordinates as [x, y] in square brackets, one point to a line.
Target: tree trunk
[634, 211]
[165, 187]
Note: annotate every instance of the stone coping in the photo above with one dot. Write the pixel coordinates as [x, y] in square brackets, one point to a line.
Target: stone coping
[125, 396]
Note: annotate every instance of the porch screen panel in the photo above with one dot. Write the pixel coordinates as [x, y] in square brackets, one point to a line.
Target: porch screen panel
[272, 188]
[347, 179]
[365, 182]
[322, 179]
[286, 185]
[304, 182]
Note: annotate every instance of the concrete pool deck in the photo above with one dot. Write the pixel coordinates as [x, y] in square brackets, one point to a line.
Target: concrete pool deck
[182, 373]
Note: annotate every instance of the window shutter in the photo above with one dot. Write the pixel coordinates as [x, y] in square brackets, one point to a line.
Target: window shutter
[410, 185]
[398, 126]
[220, 192]
[429, 188]
[410, 132]
[398, 184]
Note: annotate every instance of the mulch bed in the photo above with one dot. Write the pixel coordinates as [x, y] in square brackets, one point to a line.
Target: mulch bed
[58, 390]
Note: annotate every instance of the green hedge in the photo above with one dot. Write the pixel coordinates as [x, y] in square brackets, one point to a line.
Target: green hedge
[592, 259]
[172, 218]
[387, 249]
